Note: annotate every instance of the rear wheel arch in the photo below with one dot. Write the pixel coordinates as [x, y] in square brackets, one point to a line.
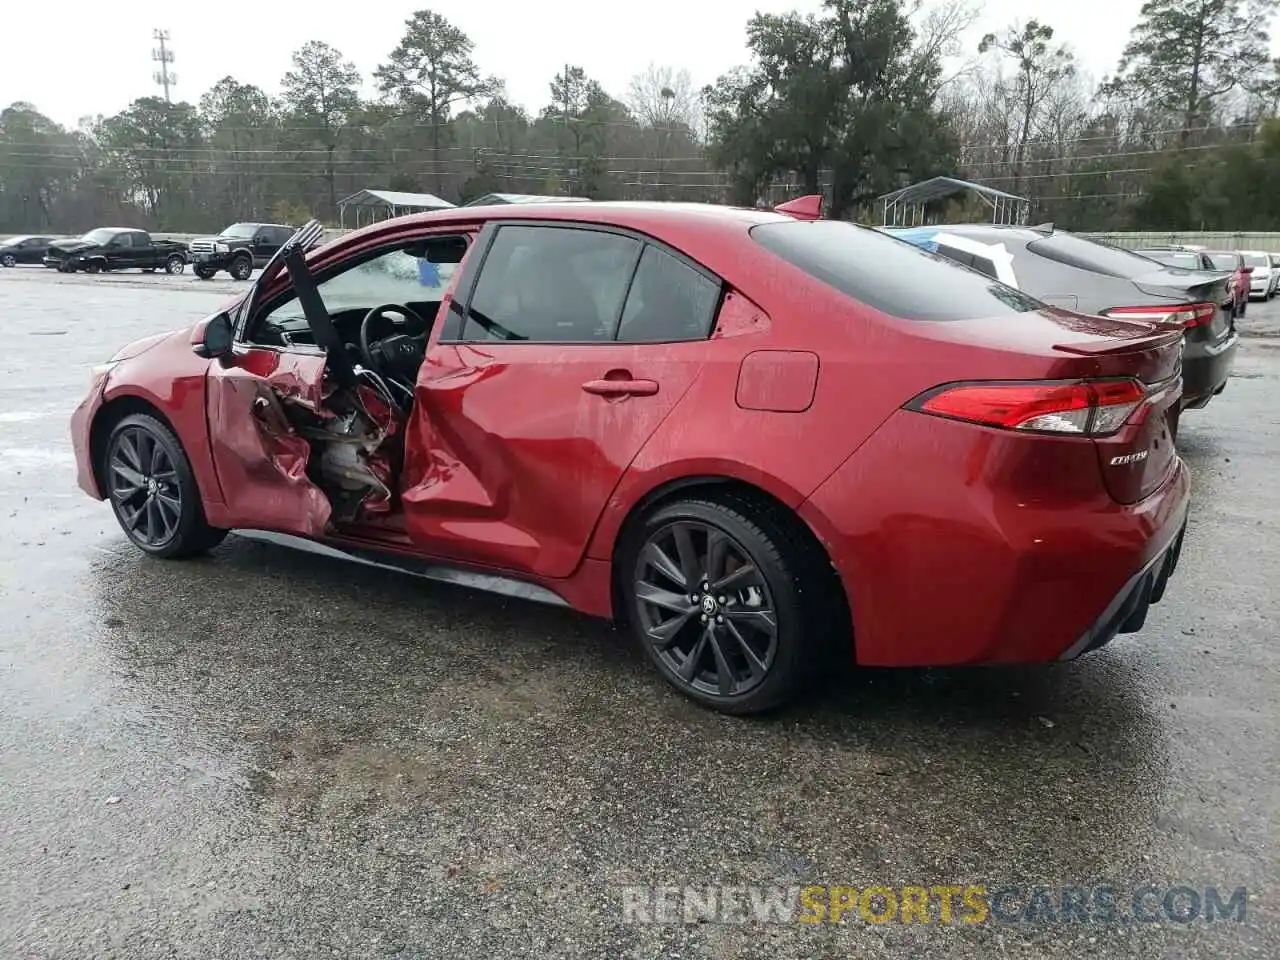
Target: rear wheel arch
[747, 498]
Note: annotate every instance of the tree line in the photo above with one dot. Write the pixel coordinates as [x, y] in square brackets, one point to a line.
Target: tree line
[858, 100]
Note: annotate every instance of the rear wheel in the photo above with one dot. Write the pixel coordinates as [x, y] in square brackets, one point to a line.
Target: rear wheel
[153, 491]
[241, 268]
[175, 264]
[728, 602]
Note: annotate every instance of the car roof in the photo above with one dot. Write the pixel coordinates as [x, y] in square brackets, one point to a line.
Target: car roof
[643, 216]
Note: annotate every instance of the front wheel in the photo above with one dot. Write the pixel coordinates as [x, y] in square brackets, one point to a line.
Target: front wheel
[175, 264]
[732, 609]
[153, 492]
[241, 268]
[205, 273]
[8, 260]
[93, 266]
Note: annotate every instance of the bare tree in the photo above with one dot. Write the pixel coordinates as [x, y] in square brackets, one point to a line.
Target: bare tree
[666, 101]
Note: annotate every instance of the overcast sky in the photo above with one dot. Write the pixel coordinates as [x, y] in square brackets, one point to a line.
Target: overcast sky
[71, 66]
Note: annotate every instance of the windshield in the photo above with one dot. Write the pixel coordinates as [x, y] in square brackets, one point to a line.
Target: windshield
[1087, 255]
[240, 231]
[1257, 260]
[1184, 261]
[1225, 261]
[888, 274]
[101, 235]
[395, 277]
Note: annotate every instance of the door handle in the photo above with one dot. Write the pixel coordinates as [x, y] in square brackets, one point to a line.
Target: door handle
[621, 388]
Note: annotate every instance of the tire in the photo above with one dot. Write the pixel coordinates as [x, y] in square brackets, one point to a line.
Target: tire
[93, 266]
[175, 264]
[8, 260]
[205, 273]
[728, 627]
[241, 268]
[143, 487]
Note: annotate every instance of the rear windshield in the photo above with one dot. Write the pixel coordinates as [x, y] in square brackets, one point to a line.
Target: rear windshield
[1225, 261]
[888, 274]
[1086, 255]
[1257, 260]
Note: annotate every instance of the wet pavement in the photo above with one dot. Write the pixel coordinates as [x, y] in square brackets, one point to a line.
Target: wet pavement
[267, 753]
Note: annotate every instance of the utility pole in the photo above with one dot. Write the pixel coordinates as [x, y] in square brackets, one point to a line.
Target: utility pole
[163, 56]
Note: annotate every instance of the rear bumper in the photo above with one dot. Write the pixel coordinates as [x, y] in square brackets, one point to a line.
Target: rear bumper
[960, 546]
[1206, 368]
[1128, 611]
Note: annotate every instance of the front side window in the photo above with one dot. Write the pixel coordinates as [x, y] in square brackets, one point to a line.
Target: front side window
[396, 276]
[551, 285]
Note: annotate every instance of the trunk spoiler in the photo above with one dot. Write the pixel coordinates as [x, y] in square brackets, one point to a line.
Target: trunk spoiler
[802, 208]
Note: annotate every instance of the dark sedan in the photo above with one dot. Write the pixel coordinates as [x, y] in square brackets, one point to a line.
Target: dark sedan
[1065, 270]
[25, 249]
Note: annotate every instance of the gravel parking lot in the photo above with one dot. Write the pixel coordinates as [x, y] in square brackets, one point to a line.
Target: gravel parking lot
[268, 753]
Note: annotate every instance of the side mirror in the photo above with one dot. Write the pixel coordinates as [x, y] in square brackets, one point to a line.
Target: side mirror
[216, 340]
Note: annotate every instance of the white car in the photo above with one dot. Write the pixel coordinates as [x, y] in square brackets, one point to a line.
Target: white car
[1266, 273]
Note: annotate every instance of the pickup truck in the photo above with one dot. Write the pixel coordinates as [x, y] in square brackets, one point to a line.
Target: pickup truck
[239, 249]
[116, 248]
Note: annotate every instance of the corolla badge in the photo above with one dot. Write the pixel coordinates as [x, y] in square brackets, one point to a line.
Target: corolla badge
[1128, 458]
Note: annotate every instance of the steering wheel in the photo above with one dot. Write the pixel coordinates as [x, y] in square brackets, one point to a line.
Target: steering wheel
[385, 355]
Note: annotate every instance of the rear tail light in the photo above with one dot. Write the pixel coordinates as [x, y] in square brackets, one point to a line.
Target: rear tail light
[1085, 408]
[1182, 314]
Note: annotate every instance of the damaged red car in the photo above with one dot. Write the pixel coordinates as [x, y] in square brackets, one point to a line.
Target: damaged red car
[760, 440]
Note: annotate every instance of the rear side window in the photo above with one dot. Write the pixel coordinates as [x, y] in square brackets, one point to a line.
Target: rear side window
[1086, 255]
[888, 274]
[668, 301]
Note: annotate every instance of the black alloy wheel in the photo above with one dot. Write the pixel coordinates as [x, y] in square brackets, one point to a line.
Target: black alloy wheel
[148, 479]
[714, 601]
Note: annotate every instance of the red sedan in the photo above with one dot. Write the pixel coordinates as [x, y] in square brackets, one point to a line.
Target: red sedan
[758, 439]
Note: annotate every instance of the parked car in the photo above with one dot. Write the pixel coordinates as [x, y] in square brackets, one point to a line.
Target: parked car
[1266, 273]
[1241, 276]
[1187, 258]
[703, 422]
[116, 248]
[1180, 257]
[24, 249]
[238, 249]
[1068, 271]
